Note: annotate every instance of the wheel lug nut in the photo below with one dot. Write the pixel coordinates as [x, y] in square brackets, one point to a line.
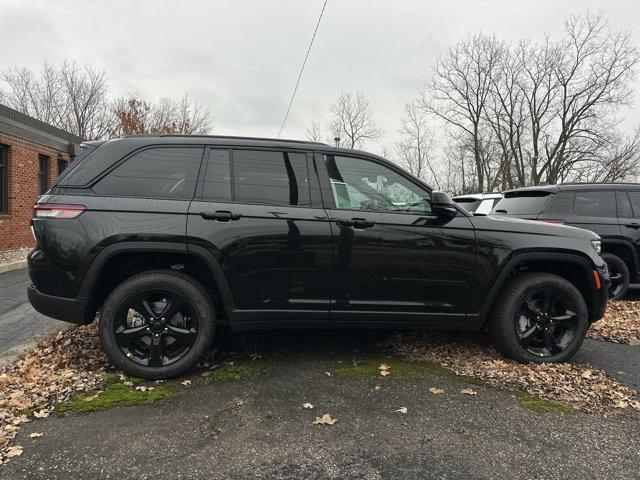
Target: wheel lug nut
[166, 330]
[156, 335]
[148, 329]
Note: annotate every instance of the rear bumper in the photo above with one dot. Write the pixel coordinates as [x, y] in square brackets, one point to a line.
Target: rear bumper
[72, 310]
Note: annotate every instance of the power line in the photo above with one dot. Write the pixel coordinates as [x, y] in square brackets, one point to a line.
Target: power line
[295, 90]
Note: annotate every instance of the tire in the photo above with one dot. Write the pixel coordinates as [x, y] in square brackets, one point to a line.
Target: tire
[617, 268]
[508, 316]
[189, 340]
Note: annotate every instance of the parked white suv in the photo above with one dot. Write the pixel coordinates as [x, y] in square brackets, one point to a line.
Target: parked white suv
[478, 202]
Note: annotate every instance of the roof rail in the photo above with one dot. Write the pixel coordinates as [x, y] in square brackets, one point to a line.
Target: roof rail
[230, 137]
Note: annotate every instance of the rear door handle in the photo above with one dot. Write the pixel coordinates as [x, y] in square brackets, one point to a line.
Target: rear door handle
[357, 223]
[220, 215]
[634, 225]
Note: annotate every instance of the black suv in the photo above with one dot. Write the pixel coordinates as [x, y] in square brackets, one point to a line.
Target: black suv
[612, 210]
[172, 237]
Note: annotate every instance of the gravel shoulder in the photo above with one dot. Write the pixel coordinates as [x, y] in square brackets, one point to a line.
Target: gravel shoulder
[257, 427]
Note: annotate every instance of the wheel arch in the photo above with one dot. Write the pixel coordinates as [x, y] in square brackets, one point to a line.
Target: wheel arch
[118, 262]
[557, 263]
[623, 249]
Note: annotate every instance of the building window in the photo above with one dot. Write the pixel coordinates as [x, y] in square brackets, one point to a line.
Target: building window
[43, 173]
[4, 179]
[61, 165]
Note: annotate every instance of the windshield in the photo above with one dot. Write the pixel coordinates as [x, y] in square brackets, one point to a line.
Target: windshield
[522, 203]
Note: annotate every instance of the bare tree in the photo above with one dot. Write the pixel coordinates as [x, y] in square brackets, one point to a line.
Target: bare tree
[134, 116]
[458, 91]
[353, 120]
[314, 132]
[414, 148]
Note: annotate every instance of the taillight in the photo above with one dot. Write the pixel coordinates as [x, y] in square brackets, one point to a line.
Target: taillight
[557, 222]
[58, 211]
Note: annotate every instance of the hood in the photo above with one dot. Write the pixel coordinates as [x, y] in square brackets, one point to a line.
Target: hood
[504, 223]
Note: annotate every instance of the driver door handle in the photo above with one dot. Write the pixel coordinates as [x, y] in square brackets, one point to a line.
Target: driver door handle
[357, 223]
[221, 215]
[634, 225]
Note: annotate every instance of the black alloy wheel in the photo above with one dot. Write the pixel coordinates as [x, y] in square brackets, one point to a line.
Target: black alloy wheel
[619, 276]
[546, 322]
[156, 327]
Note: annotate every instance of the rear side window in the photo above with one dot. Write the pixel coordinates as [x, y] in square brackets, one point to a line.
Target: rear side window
[635, 203]
[595, 203]
[523, 203]
[486, 206]
[157, 172]
[270, 178]
[623, 205]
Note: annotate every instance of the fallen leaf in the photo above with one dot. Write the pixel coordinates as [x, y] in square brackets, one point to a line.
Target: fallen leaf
[35, 435]
[255, 356]
[384, 373]
[469, 391]
[376, 388]
[324, 420]
[587, 374]
[622, 404]
[307, 405]
[328, 374]
[239, 401]
[402, 410]
[92, 397]
[128, 384]
[186, 382]
[436, 390]
[40, 414]
[14, 451]
[384, 366]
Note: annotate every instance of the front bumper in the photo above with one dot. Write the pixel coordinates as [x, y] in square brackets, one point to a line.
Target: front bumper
[72, 310]
[600, 295]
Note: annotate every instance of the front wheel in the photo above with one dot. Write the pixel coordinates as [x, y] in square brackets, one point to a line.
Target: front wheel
[157, 324]
[539, 317]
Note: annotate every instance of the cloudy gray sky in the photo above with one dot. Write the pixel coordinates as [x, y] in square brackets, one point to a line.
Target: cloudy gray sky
[241, 58]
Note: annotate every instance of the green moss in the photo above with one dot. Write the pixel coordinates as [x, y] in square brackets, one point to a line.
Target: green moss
[539, 405]
[370, 369]
[115, 394]
[27, 411]
[237, 371]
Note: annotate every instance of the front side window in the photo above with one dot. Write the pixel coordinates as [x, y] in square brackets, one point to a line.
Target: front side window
[217, 178]
[4, 179]
[43, 173]
[595, 203]
[157, 172]
[270, 178]
[359, 184]
[531, 202]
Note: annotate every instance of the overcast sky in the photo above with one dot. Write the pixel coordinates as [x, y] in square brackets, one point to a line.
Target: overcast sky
[241, 58]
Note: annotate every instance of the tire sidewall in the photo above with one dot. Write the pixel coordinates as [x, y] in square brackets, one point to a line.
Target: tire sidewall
[527, 288]
[171, 281]
[611, 258]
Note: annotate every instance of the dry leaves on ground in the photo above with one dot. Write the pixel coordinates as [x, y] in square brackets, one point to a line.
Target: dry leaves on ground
[468, 391]
[307, 405]
[10, 256]
[621, 324]
[581, 387]
[53, 372]
[325, 420]
[402, 410]
[436, 390]
[384, 369]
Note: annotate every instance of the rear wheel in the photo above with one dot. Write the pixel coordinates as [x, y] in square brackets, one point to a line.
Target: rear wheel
[157, 324]
[539, 318]
[618, 274]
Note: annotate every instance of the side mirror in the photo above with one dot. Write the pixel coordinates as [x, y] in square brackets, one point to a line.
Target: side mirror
[442, 205]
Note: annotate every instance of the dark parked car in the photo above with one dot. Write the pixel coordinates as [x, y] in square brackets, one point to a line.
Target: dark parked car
[171, 238]
[612, 210]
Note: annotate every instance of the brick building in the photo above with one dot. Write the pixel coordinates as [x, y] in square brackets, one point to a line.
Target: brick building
[32, 154]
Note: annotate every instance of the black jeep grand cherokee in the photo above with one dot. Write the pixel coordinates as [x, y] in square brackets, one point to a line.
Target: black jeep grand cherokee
[171, 237]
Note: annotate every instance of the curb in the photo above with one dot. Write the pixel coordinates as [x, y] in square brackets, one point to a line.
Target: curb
[7, 267]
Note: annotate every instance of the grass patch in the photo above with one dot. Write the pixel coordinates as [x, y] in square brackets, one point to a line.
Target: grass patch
[115, 394]
[538, 405]
[369, 369]
[27, 411]
[237, 371]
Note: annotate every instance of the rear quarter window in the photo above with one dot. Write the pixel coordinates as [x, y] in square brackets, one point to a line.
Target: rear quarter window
[523, 203]
[596, 203]
[156, 172]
